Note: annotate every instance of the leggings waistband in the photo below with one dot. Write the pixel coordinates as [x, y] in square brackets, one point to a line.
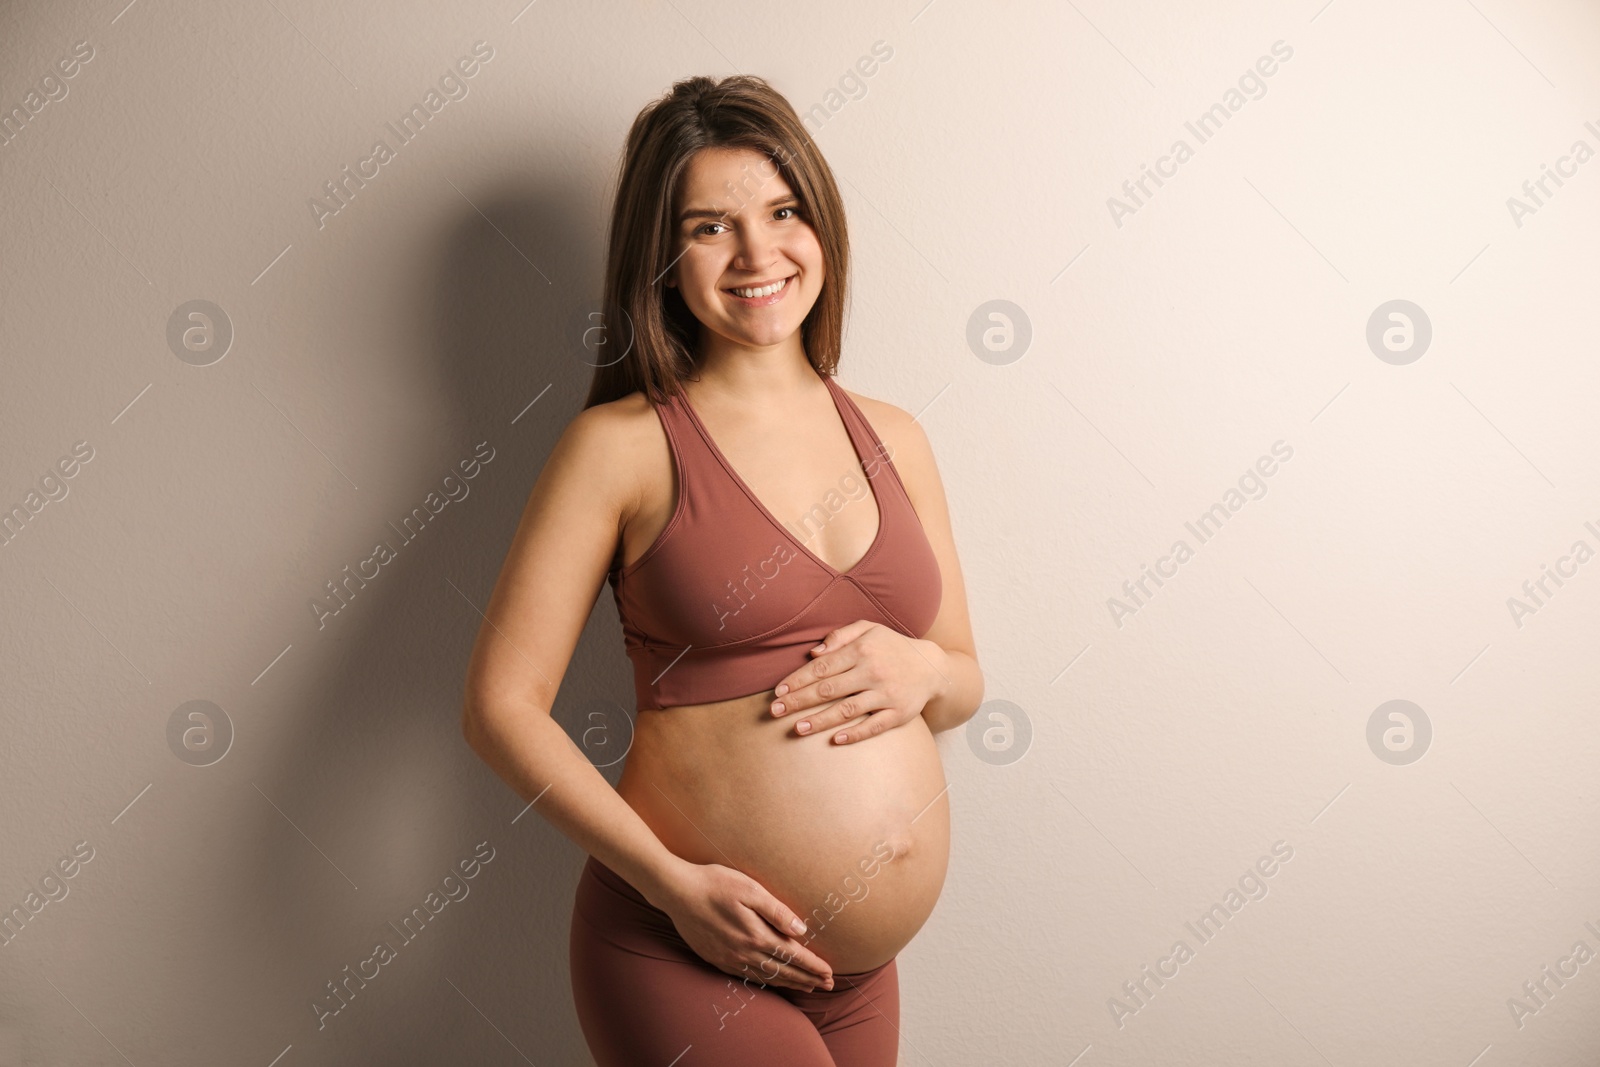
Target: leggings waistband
[616, 882]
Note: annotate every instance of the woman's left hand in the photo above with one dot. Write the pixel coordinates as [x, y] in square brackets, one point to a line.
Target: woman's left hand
[872, 676]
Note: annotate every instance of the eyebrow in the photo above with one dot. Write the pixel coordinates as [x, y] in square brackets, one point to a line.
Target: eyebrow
[707, 213]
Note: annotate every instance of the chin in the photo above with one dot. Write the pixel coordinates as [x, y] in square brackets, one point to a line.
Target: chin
[770, 341]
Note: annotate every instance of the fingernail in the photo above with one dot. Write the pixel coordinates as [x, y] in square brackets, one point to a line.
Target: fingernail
[803, 728]
[820, 647]
[797, 926]
[782, 689]
[840, 739]
[777, 708]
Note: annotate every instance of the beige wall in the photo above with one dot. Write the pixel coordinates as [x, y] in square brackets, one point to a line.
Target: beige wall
[1173, 343]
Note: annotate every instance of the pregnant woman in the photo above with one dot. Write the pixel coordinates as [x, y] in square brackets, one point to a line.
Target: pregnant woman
[798, 633]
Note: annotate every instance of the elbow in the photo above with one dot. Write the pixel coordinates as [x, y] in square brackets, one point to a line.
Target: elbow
[488, 718]
[475, 719]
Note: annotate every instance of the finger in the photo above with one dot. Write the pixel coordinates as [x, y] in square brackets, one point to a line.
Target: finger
[850, 709]
[804, 980]
[842, 636]
[861, 729]
[831, 642]
[789, 976]
[796, 955]
[790, 925]
[789, 958]
[778, 966]
[776, 912]
[792, 953]
[822, 681]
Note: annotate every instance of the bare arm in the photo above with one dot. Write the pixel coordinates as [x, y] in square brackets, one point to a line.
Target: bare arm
[553, 573]
[948, 644]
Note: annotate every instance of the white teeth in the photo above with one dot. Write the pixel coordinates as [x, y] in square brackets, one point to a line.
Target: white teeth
[766, 290]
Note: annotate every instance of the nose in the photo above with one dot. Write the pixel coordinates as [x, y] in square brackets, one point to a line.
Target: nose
[757, 250]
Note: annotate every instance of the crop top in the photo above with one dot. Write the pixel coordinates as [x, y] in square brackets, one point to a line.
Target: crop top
[727, 600]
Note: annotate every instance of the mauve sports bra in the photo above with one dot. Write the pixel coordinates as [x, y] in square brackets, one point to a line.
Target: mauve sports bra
[727, 600]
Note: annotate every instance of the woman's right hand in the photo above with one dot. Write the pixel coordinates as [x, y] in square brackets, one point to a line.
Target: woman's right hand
[733, 923]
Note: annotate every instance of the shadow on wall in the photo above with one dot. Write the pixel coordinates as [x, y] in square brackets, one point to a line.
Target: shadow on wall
[378, 773]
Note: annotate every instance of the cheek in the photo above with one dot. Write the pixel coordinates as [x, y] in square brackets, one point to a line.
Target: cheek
[693, 273]
[807, 252]
[809, 243]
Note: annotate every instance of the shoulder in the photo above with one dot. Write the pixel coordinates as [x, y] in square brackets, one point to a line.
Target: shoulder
[611, 431]
[614, 447]
[600, 444]
[905, 442]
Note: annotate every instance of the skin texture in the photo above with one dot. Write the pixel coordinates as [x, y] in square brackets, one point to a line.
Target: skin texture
[726, 816]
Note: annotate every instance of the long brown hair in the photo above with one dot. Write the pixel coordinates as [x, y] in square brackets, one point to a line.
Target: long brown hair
[640, 313]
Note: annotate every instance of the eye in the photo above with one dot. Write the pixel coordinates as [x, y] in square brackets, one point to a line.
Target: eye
[795, 210]
[701, 232]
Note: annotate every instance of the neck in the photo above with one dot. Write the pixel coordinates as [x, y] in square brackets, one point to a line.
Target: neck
[754, 374]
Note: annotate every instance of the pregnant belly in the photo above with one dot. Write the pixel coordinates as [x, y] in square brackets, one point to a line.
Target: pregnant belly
[855, 838]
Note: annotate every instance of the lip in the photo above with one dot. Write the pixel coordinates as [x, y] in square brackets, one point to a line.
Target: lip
[761, 301]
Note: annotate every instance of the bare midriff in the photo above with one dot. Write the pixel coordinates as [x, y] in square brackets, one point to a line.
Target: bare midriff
[854, 837]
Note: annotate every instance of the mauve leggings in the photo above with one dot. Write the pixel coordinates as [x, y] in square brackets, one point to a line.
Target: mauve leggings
[645, 999]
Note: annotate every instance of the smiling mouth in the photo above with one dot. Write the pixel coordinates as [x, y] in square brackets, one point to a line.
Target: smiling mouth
[757, 292]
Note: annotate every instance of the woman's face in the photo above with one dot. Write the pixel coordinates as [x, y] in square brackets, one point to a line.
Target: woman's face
[739, 227]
